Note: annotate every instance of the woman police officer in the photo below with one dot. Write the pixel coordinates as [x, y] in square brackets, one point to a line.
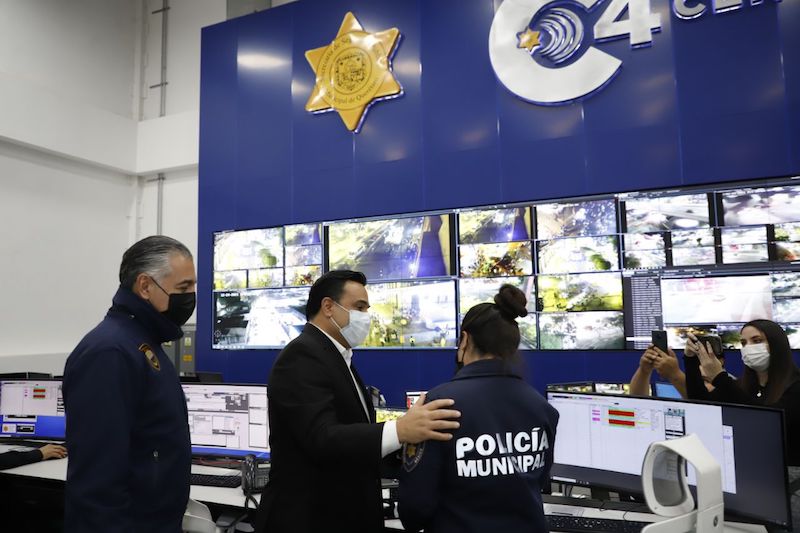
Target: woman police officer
[490, 475]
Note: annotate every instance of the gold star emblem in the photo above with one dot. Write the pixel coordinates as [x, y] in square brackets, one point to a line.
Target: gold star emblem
[528, 39]
[353, 72]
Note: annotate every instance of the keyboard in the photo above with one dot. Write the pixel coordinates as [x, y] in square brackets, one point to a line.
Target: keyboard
[215, 480]
[579, 524]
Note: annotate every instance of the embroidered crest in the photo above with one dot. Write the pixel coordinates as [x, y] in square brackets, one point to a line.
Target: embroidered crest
[412, 455]
[150, 355]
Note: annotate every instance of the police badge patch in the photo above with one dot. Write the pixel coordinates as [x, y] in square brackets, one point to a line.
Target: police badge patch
[150, 355]
[412, 455]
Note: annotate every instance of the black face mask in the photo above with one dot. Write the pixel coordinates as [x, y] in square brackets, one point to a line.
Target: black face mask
[459, 364]
[181, 306]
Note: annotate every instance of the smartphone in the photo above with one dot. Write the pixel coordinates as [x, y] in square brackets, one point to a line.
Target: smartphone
[660, 340]
[714, 340]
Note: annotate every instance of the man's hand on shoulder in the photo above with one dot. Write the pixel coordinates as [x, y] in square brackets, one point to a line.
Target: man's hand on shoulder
[427, 421]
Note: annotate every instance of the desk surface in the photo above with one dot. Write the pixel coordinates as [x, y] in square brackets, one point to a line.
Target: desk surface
[56, 469]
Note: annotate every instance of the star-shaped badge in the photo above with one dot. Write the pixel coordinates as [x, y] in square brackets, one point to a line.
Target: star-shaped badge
[528, 39]
[353, 71]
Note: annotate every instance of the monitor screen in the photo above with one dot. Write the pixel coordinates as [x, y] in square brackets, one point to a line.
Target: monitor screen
[576, 219]
[228, 420]
[494, 225]
[612, 388]
[578, 386]
[658, 213]
[419, 314]
[595, 330]
[665, 390]
[385, 414]
[492, 260]
[392, 249]
[760, 205]
[256, 248]
[258, 318]
[602, 440]
[32, 409]
[578, 254]
[473, 291]
[412, 397]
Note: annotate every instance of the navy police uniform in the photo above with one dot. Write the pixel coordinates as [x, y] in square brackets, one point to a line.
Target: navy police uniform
[127, 426]
[490, 475]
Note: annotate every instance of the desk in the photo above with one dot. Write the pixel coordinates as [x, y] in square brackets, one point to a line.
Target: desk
[593, 512]
[56, 470]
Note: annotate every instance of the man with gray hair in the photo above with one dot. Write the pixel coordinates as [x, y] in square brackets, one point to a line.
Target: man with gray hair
[127, 428]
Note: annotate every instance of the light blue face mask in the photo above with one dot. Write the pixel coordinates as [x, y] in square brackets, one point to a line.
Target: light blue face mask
[756, 356]
[355, 333]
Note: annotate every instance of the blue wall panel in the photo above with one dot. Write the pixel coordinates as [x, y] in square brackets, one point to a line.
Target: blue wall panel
[713, 99]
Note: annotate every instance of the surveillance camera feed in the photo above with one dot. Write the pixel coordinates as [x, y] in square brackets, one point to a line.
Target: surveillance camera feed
[576, 219]
[231, 279]
[491, 260]
[772, 205]
[580, 292]
[580, 254]
[494, 225]
[258, 318]
[392, 249]
[258, 248]
[744, 245]
[303, 254]
[644, 250]
[594, 275]
[660, 213]
[693, 247]
[472, 292]
[599, 330]
[787, 241]
[264, 277]
[412, 314]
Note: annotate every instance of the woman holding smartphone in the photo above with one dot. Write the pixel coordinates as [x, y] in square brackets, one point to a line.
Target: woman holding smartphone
[771, 378]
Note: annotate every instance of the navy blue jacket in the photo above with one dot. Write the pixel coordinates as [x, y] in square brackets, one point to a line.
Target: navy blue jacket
[127, 426]
[490, 475]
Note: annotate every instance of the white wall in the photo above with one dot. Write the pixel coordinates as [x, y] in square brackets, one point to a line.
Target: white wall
[82, 50]
[71, 145]
[63, 228]
[185, 19]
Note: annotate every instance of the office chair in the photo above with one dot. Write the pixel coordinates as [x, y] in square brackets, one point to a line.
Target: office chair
[197, 519]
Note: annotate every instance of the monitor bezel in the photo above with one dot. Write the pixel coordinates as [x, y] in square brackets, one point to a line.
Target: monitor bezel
[741, 517]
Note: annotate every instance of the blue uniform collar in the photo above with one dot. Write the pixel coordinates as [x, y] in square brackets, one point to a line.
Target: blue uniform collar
[156, 324]
[486, 368]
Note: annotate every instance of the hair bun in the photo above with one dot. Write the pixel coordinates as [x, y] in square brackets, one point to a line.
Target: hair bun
[511, 302]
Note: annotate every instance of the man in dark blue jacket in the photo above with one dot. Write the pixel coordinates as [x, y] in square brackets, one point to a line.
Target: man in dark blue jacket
[127, 429]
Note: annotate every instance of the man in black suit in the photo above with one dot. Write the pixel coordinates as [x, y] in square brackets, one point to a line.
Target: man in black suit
[326, 448]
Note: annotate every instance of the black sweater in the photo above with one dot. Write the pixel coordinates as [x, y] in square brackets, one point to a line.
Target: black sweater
[727, 390]
[14, 459]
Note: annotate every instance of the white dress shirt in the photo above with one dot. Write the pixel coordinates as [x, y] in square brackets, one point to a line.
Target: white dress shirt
[389, 440]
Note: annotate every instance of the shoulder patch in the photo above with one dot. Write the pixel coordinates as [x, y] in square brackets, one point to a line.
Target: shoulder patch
[412, 455]
[151, 356]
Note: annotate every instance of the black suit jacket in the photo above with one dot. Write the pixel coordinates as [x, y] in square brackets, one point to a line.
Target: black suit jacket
[325, 450]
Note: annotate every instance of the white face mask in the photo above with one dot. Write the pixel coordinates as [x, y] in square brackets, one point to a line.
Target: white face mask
[355, 333]
[756, 356]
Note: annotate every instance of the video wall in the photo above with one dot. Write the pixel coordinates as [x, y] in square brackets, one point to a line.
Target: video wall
[599, 272]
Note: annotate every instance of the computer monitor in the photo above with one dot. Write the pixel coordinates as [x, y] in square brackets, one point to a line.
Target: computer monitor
[31, 409]
[412, 397]
[612, 388]
[665, 390]
[575, 386]
[601, 441]
[228, 420]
